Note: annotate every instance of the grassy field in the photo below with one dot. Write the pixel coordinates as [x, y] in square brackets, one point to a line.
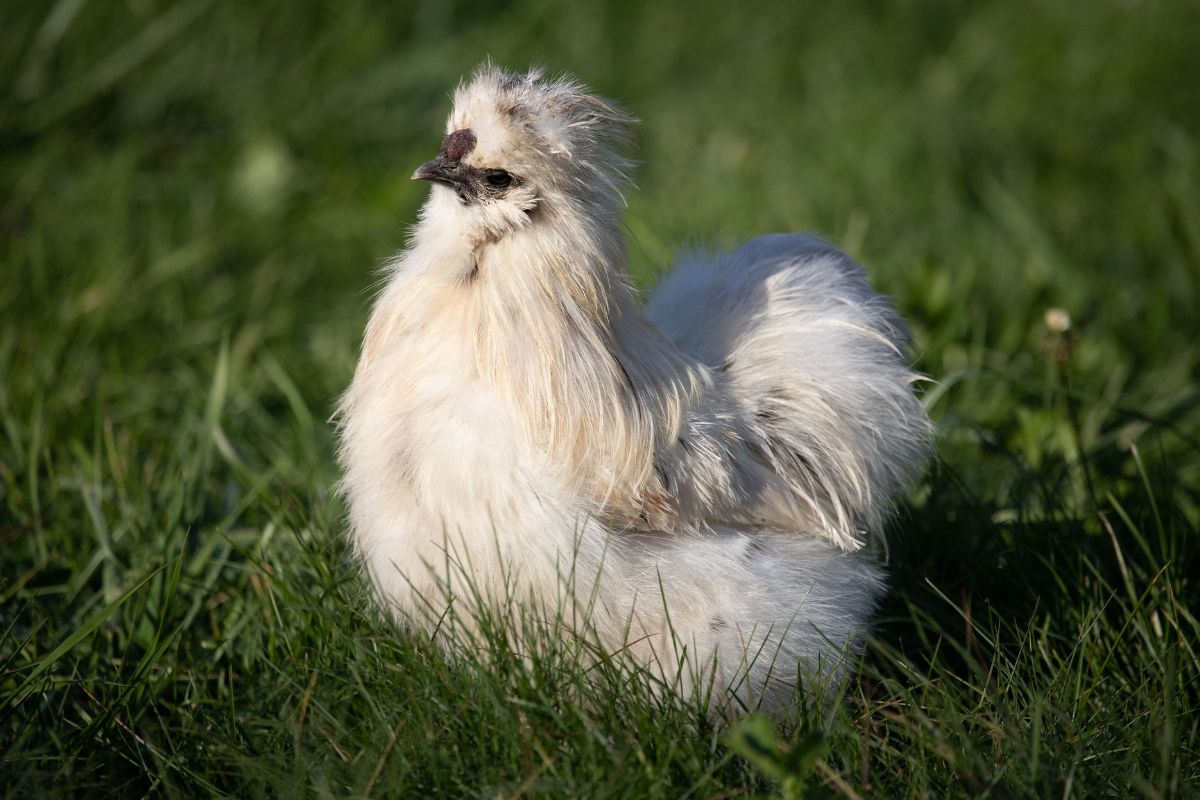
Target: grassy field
[194, 197]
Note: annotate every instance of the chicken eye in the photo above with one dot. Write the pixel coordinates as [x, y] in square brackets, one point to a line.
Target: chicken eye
[498, 179]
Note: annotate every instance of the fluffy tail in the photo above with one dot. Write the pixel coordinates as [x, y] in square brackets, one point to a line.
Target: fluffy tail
[816, 360]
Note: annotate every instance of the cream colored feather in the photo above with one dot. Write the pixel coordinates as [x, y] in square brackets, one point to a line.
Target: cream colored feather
[693, 477]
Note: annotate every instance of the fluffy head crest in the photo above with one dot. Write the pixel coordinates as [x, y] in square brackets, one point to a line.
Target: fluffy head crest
[554, 129]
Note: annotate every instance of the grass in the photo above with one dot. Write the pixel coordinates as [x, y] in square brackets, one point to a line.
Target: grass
[196, 194]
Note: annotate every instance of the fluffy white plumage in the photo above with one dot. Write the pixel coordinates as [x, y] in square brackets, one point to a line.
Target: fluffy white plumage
[692, 478]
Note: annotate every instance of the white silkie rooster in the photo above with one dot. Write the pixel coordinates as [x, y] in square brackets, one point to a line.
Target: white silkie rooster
[695, 477]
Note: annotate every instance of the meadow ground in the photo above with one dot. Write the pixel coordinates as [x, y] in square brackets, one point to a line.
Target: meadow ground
[195, 196]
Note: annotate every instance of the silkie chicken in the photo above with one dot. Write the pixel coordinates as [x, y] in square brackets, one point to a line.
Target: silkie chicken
[691, 482]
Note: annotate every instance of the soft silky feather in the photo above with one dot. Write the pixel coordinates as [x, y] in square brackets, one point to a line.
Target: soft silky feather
[692, 479]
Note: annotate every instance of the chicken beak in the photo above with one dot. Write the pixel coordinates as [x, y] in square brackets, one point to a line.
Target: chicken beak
[437, 171]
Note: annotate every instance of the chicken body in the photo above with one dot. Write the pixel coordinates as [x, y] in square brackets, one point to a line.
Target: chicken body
[692, 479]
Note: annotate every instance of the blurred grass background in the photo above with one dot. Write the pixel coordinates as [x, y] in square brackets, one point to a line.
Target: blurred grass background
[194, 197]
